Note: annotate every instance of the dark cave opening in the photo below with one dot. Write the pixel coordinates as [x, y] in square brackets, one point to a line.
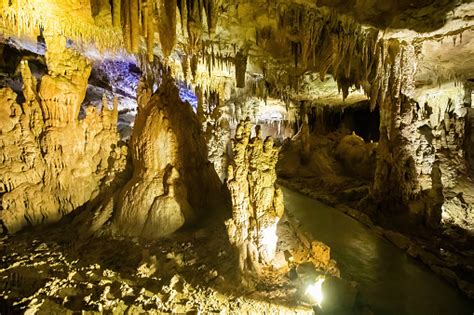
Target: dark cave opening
[357, 118]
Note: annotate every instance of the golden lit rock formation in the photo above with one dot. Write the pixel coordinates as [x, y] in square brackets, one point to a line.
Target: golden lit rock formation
[52, 162]
[171, 179]
[257, 204]
[64, 88]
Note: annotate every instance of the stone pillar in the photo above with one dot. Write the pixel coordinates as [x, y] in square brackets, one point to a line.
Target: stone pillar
[257, 204]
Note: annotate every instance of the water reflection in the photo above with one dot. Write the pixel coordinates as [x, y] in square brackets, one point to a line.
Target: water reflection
[390, 281]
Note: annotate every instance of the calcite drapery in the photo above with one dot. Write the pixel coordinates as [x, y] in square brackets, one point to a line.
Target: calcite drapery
[257, 204]
[52, 163]
[172, 180]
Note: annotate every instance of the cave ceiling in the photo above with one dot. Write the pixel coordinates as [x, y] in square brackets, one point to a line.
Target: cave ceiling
[291, 45]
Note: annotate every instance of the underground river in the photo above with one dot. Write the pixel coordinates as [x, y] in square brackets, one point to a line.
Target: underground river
[390, 281]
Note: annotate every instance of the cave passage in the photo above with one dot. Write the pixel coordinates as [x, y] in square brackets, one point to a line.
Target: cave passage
[390, 281]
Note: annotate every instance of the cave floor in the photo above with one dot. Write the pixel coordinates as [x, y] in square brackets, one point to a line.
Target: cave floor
[50, 270]
[390, 281]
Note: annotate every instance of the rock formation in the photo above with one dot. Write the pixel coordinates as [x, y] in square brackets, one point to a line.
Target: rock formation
[63, 89]
[211, 112]
[257, 204]
[172, 181]
[396, 179]
[356, 156]
[52, 162]
[421, 137]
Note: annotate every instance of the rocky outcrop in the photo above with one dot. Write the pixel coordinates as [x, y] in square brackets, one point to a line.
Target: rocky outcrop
[257, 204]
[52, 162]
[356, 156]
[172, 180]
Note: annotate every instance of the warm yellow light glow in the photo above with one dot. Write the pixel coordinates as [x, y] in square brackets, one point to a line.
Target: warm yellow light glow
[268, 240]
[315, 292]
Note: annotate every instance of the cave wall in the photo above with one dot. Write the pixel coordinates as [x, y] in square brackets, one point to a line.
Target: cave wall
[445, 113]
[52, 162]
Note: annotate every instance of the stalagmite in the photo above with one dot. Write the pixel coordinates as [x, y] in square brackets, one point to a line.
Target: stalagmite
[168, 188]
[69, 161]
[257, 204]
[61, 98]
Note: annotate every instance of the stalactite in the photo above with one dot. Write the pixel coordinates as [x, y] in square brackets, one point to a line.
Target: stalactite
[134, 26]
[240, 68]
[126, 25]
[194, 64]
[140, 17]
[167, 25]
[323, 42]
[183, 10]
[145, 16]
[185, 66]
[211, 14]
[150, 33]
[27, 18]
[116, 12]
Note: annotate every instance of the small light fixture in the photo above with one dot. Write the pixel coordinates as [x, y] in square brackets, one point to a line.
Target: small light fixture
[314, 291]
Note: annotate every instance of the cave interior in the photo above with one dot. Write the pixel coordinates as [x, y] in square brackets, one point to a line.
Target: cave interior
[234, 156]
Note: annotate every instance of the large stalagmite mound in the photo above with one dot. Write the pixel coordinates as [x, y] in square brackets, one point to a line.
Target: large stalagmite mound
[173, 182]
